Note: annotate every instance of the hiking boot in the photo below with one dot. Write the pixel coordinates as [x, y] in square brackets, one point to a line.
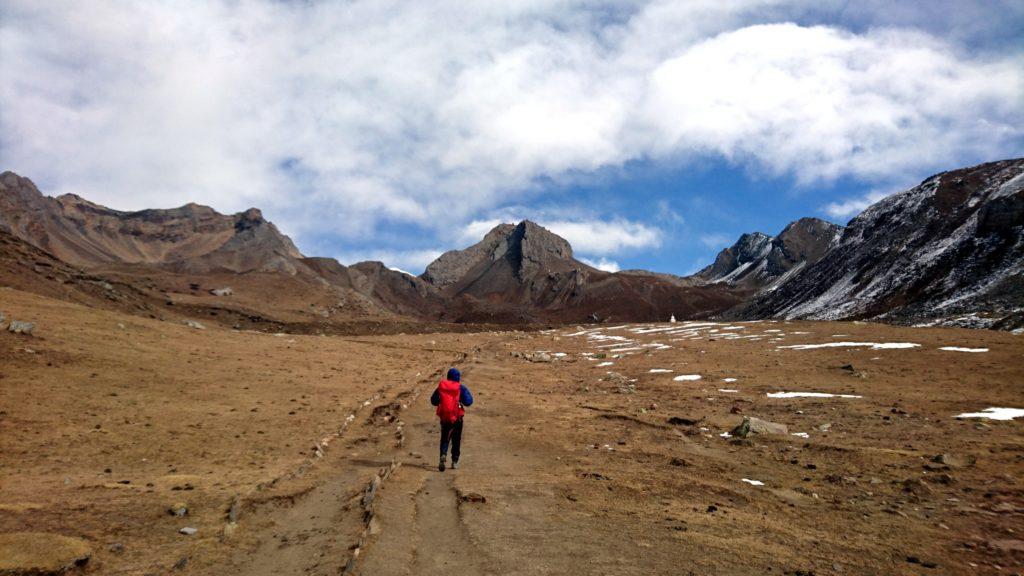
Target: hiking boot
[440, 465]
[455, 464]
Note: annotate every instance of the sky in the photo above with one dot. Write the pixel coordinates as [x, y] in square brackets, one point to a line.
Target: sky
[650, 134]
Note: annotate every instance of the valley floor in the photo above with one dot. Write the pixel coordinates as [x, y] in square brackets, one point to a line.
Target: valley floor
[589, 450]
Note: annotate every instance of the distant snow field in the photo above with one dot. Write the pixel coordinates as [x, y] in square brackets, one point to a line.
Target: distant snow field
[995, 414]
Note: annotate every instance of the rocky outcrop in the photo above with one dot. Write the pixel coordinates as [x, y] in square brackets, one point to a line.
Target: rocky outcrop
[951, 246]
[192, 238]
[760, 262]
[453, 265]
[525, 273]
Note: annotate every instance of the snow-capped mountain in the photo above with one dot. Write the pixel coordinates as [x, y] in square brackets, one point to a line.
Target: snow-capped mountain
[950, 250]
[760, 262]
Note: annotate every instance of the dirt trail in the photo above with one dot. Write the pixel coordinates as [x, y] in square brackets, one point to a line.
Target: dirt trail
[421, 528]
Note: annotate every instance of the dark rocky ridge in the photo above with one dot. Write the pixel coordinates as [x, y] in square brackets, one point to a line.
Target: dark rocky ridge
[759, 262]
[951, 246]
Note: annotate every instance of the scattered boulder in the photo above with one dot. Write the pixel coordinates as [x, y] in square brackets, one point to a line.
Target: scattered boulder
[194, 324]
[954, 461]
[538, 357]
[226, 291]
[188, 530]
[754, 425]
[41, 553]
[19, 327]
[916, 486]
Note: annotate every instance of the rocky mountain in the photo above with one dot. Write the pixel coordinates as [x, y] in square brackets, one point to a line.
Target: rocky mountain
[759, 262]
[527, 273]
[191, 238]
[950, 247]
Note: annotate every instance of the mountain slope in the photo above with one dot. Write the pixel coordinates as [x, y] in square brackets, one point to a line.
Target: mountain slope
[191, 238]
[524, 272]
[761, 262]
[952, 245]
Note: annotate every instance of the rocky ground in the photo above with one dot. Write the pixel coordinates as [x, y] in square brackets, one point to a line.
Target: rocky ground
[135, 446]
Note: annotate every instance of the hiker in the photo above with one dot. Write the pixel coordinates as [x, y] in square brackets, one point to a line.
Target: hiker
[451, 398]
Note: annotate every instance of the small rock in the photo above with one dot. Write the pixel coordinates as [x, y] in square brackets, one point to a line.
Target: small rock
[194, 324]
[954, 461]
[539, 357]
[19, 327]
[472, 497]
[758, 426]
[116, 548]
[825, 427]
[180, 510]
[226, 291]
[916, 486]
[188, 530]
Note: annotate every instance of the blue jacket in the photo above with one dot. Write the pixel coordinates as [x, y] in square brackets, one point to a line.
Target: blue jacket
[465, 398]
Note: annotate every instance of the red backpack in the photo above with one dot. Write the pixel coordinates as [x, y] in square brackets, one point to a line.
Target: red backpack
[448, 410]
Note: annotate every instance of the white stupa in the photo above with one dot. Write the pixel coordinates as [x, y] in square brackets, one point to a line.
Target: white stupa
[672, 319]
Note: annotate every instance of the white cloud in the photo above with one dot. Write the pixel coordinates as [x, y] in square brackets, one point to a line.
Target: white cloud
[853, 206]
[602, 264]
[605, 236]
[337, 117]
[402, 260]
[716, 240]
[592, 236]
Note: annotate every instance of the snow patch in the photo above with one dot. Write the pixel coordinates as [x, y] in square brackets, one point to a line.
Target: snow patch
[873, 345]
[995, 414]
[687, 377]
[809, 395]
[959, 349]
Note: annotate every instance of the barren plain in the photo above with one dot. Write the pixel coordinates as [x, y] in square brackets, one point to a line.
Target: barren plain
[591, 449]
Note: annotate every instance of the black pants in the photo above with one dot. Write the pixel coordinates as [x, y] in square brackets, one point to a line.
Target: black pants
[451, 431]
